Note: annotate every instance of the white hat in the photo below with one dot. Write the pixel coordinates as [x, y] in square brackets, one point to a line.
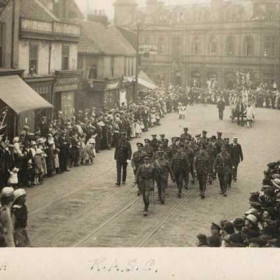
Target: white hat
[7, 192]
[276, 181]
[33, 143]
[252, 211]
[252, 218]
[39, 151]
[19, 192]
[91, 141]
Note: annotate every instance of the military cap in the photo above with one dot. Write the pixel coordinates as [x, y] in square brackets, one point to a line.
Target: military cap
[213, 137]
[162, 135]
[175, 138]
[146, 140]
[204, 132]
[139, 145]
[219, 133]
[215, 226]
[165, 140]
[198, 135]
[186, 128]
[146, 157]
[154, 135]
[7, 192]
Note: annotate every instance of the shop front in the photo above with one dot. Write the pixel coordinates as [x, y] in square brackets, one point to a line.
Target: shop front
[112, 95]
[66, 90]
[95, 93]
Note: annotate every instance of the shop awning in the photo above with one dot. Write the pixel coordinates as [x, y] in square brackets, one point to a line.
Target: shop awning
[143, 80]
[112, 86]
[20, 96]
[146, 84]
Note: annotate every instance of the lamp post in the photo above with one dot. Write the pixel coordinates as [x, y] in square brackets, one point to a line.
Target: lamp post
[137, 63]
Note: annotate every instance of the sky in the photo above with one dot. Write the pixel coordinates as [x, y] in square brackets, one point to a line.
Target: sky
[107, 5]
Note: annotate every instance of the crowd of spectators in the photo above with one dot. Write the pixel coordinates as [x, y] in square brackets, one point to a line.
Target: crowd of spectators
[260, 224]
[60, 144]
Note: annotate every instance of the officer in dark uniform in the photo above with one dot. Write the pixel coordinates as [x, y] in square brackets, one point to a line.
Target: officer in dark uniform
[180, 167]
[154, 142]
[186, 135]
[148, 148]
[223, 166]
[211, 150]
[229, 150]
[162, 171]
[122, 156]
[173, 147]
[161, 148]
[145, 177]
[237, 156]
[202, 167]
[219, 142]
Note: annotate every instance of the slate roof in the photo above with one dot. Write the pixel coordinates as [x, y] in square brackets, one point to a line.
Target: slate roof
[34, 9]
[98, 39]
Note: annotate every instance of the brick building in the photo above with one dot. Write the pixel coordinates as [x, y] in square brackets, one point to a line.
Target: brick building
[203, 41]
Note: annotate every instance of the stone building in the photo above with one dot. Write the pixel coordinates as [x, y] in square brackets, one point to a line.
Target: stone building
[219, 40]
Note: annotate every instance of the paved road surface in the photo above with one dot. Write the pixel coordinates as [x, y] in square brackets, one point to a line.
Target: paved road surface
[84, 208]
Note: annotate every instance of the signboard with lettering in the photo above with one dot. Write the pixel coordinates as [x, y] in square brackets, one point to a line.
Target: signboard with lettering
[148, 49]
[67, 81]
[36, 26]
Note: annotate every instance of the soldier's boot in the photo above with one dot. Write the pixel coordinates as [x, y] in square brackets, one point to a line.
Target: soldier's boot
[179, 194]
[146, 209]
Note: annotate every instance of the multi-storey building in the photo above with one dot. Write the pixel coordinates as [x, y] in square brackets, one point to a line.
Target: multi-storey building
[108, 60]
[216, 40]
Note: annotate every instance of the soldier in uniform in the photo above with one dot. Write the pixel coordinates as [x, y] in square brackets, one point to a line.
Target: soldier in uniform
[180, 167]
[148, 148]
[223, 166]
[219, 142]
[162, 171]
[162, 138]
[122, 156]
[173, 147]
[204, 138]
[202, 167]
[190, 153]
[161, 148]
[154, 142]
[211, 150]
[137, 157]
[237, 156]
[145, 177]
[186, 135]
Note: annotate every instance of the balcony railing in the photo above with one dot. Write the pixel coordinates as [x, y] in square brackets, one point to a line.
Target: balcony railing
[50, 28]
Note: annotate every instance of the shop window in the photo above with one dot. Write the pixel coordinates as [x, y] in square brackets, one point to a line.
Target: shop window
[195, 46]
[112, 66]
[248, 46]
[33, 58]
[230, 45]
[212, 46]
[269, 46]
[92, 72]
[65, 57]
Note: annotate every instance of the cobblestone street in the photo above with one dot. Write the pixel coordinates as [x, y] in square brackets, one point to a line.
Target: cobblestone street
[84, 208]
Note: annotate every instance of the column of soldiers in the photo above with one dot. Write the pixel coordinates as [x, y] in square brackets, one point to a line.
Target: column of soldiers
[197, 158]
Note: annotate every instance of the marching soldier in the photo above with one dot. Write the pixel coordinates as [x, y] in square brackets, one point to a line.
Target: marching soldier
[162, 171]
[211, 150]
[145, 177]
[186, 135]
[154, 142]
[137, 157]
[122, 156]
[180, 167]
[148, 148]
[162, 138]
[204, 138]
[223, 166]
[173, 147]
[202, 167]
[219, 142]
[237, 156]
[190, 154]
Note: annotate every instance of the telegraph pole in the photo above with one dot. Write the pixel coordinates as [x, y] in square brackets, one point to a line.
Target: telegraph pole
[137, 63]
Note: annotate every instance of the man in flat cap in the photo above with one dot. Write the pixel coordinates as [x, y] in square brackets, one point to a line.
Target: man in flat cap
[237, 157]
[123, 154]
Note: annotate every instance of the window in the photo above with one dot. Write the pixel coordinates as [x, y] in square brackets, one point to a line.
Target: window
[177, 46]
[161, 45]
[92, 72]
[125, 67]
[248, 46]
[195, 46]
[65, 57]
[269, 46]
[132, 66]
[33, 58]
[112, 66]
[212, 47]
[230, 45]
